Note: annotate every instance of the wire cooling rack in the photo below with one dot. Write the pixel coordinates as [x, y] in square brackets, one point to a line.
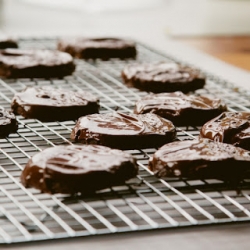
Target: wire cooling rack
[144, 203]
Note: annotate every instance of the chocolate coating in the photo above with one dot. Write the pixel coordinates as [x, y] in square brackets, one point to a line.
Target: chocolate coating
[8, 123]
[229, 127]
[51, 104]
[73, 169]
[181, 109]
[201, 159]
[103, 48]
[17, 63]
[124, 131]
[163, 77]
[7, 42]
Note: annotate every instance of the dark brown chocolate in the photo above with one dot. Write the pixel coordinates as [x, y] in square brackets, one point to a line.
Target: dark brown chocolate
[103, 48]
[78, 169]
[7, 42]
[51, 104]
[201, 159]
[163, 77]
[8, 123]
[123, 131]
[229, 127]
[17, 63]
[181, 109]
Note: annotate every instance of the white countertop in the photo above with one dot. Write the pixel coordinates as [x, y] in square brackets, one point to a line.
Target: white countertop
[218, 237]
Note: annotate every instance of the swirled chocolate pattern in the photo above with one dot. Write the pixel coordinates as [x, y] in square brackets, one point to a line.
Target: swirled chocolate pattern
[18, 63]
[51, 104]
[201, 159]
[8, 123]
[78, 169]
[163, 77]
[103, 48]
[229, 127]
[118, 130]
[181, 109]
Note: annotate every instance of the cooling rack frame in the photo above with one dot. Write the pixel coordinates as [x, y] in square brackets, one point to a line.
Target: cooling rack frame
[144, 203]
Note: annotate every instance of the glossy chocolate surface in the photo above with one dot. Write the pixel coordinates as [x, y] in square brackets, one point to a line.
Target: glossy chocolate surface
[78, 169]
[181, 109]
[201, 159]
[103, 48]
[51, 104]
[163, 77]
[7, 42]
[118, 130]
[8, 123]
[229, 127]
[17, 63]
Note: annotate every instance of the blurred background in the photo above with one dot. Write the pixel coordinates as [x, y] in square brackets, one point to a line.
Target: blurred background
[218, 27]
[174, 17]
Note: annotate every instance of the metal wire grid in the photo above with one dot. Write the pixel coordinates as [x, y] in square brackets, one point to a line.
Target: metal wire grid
[144, 203]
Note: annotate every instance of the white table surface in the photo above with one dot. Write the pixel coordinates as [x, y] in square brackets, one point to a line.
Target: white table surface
[226, 237]
[148, 26]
